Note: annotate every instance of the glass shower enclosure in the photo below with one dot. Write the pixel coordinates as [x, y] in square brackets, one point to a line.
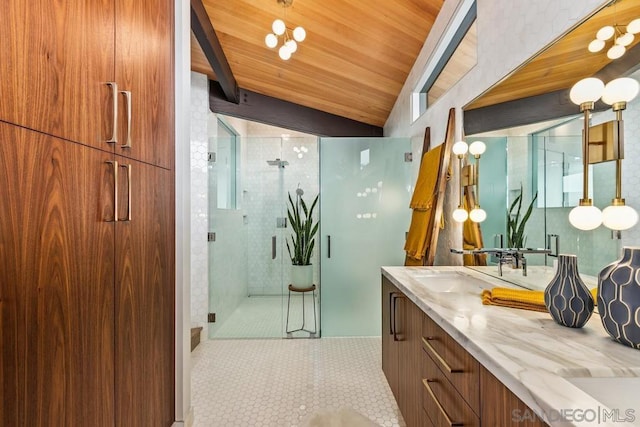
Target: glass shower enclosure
[249, 267]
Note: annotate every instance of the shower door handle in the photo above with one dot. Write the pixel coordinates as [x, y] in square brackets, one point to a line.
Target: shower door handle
[273, 247]
[557, 244]
[328, 246]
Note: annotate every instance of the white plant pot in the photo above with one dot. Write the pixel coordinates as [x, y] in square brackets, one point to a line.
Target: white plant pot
[302, 276]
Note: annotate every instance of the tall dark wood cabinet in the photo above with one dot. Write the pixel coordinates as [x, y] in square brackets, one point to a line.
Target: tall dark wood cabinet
[87, 289]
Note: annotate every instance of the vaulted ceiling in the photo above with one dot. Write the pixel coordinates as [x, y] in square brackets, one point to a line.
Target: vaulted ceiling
[353, 63]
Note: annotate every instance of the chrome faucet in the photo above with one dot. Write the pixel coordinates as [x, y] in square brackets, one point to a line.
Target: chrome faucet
[505, 256]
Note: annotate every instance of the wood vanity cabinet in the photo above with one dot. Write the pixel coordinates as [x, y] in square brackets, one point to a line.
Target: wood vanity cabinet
[401, 331]
[435, 381]
[87, 303]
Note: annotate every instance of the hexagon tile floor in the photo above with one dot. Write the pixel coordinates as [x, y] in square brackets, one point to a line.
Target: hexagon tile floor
[287, 383]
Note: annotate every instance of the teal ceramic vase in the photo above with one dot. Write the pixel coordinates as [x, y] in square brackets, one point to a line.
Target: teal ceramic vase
[567, 297]
[619, 298]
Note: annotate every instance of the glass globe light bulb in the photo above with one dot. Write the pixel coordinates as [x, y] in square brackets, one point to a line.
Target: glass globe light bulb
[477, 148]
[271, 40]
[460, 215]
[634, 26]
[284, 52]
[596, 45]
[278, 27]
[292, 45]
[619, 217]
[585, 217]
[616, 51]
[605, 33]
[586, 90]
[460, 148]
[477, 214]
[625, 40]
[623, 89]
[299, 34]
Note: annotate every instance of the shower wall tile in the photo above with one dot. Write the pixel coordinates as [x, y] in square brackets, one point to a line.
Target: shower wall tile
[199, 196]
[262, 188]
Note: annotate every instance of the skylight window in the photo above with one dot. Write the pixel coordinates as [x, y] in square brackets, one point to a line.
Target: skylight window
[454, 56]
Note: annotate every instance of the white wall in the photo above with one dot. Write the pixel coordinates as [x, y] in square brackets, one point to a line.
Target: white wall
[509, 32]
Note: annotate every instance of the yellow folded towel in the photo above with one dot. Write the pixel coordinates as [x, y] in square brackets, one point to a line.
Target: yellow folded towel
[520, 298]
[514, 298]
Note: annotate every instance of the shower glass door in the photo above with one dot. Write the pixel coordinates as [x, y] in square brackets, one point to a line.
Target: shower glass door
[366, 186]
[249, 263]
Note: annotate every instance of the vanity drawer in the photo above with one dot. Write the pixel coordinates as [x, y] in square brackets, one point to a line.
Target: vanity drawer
[454, 362]
[440, 399]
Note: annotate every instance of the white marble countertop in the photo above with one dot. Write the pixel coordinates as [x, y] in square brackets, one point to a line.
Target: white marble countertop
[528, 351]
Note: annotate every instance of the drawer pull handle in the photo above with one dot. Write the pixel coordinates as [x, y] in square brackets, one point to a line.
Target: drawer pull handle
[114, 163]
[396, 297]
[440, 358]
[439, 405]
[127, 97]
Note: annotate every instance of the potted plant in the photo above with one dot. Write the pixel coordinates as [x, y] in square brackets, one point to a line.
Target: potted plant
[302, 239]
[515, 225]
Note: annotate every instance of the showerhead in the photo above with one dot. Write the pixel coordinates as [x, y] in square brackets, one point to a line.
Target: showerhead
[299, 191]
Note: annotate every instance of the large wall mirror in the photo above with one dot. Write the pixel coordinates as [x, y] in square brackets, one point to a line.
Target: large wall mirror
[534, 133]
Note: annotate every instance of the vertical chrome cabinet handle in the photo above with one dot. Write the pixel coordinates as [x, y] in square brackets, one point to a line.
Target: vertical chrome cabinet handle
[114, 163]
[273, 247]
[128, 168]
[114, 95]
[127, 97]
[328, 246]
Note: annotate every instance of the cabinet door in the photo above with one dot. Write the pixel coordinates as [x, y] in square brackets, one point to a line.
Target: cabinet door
[56, 282]
[500, 407]
[144, 68]
[389, 346]
[55, 60]
[145, 297]
[409, 369]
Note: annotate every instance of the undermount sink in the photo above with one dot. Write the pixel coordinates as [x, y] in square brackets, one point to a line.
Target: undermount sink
[449, 281]
[619, 394]
[618, 391]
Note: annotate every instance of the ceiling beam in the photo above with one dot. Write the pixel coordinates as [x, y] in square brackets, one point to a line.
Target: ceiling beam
[276, 112]
[208, 40]
[548, 106]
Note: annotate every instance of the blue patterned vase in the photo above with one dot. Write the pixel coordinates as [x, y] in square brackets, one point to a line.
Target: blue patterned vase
[567, 298]
[619, 298]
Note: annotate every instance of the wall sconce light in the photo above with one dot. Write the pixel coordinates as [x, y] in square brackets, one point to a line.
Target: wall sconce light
[469, 175]
[617, 93]
[603, 143]
[290, 40]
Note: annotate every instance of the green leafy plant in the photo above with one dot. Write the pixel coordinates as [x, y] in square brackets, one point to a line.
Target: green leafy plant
[304, 229]
[515, 225]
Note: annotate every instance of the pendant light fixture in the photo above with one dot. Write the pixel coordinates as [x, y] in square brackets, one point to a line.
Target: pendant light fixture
[290, 38]
[621, 37]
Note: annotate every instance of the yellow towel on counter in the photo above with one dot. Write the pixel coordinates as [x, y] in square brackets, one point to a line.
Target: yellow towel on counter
[520, 298]
[514, 298]
[422, 198]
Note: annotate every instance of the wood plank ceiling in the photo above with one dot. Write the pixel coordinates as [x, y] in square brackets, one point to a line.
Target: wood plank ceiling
[353, 63]
[564, 62]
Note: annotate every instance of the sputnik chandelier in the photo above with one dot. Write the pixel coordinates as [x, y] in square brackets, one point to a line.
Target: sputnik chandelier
[621, 39]
[290, 38]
